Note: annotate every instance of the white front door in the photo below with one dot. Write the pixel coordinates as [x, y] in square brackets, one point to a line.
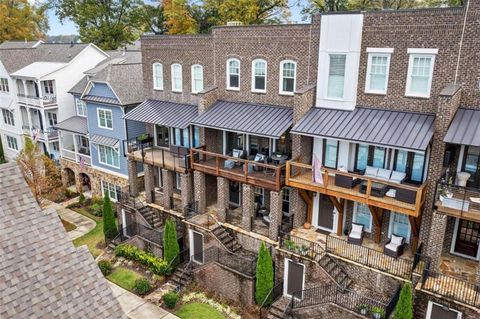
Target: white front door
[196, 246]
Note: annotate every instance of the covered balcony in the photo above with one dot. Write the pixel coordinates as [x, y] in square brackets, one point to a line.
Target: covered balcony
[74, 143]
[37, 93]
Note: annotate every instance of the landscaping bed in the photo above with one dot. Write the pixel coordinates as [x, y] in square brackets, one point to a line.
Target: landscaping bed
[60, 195]
[198, 311]
[95, 240]
[124, 277]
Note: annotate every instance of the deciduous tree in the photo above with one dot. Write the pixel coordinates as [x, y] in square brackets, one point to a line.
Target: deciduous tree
[22, 20]
[178, 17]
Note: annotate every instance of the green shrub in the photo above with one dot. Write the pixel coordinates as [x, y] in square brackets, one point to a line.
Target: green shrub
[264, 277]
[97, 200]
[170, 299]
[142, 286]
[109, 226]
[2, 155]
[96, 209]
[156, 265]
[404, 308]
[170, 243]
[105, 267]
[68, 193]
[81, 199]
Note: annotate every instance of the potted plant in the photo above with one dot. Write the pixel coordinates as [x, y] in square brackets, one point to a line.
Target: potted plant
[377, 312]
[290, 245]
[363, 308]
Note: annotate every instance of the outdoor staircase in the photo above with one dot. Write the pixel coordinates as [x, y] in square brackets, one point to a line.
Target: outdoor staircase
[227, 240]
[182, 275]
[333, 270]
[277, 309]
[150, 217]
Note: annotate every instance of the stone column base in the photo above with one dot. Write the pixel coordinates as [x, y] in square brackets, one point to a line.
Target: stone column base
[223, 198]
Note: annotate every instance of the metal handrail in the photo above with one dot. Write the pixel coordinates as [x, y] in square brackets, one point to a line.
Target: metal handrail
[275, 294]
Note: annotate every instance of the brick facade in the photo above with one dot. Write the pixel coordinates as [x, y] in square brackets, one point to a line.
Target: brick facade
[223, 198]
[276, 214]
[248, 206]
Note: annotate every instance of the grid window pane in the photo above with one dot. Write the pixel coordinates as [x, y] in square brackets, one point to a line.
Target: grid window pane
[12, 143]
[158, 76]
[4, 85]
[378, 73]
[400, 225]
[331, 151]
[108, 156]
[260, 71]
[234, 74]
[197, 79]
[336, 75]
[8, 117]
[177, 77]
[420, 75]
[288, 77]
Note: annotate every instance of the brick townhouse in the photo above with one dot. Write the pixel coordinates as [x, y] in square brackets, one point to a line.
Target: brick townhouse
[349, 145]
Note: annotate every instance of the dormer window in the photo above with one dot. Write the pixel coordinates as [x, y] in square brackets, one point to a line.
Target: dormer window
[177, 84]
[233, 74]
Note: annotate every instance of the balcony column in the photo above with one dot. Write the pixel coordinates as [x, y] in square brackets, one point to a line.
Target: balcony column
[199, 184]
[223, 198]
[437, 234]
[298, 207]
[132, 177]
[149, 182]
[248, 206]
[275, 214]
[168, 181]
[186, 185]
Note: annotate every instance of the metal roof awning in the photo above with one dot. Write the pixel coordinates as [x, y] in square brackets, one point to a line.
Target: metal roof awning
[100, 99]
[262, 120]
[465, 128]
[74, 124]
[104, 140]
[163, 113]
[398, 129]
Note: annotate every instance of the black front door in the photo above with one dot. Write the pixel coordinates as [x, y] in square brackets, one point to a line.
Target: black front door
[471, 164]
[440, 312]
[295, 278]
[235, 193]
[325, 213]
[468, 237]
[197, 247]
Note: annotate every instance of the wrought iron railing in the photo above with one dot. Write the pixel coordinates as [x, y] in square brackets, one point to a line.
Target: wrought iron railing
[134, 229]
[234, 261]
[301, 246]
[273, 295]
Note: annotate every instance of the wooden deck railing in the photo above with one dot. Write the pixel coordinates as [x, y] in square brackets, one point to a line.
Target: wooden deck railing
[242, 170]
[403, 198]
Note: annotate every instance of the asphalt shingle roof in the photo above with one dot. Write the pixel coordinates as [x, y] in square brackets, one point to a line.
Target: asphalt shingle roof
[42, 275]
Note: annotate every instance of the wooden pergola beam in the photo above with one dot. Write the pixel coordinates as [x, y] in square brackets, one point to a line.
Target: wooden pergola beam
[415, 225]
[309, 202]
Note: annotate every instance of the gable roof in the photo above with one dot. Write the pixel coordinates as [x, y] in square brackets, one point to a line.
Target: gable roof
[42, 275]
[37, 70]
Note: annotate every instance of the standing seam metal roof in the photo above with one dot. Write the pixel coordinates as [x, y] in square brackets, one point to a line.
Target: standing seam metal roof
[263, 120]
[465, 128]
[164, 113]
[408, 130]
[74, 124]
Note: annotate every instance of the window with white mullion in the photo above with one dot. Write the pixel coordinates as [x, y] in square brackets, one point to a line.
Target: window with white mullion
[12, 143]
[110, 190]
[8, 117]
[288, 75]
[177, 82]
[259, 75]
[233, 74]
[157, 76]
[336, 76]
[197, 78]
[81, 107]
[105, 118]
[4, 85]
[420, 72]
[377, 76]
[108, 156]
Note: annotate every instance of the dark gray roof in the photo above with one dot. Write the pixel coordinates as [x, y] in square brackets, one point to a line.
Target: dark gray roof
[19, 44]
[164, 113]
[407, 130]
[256, 119]
[74, 124]
[100, 99]
[79, 87]
[104, 140]
[42, 275]
[465, 128]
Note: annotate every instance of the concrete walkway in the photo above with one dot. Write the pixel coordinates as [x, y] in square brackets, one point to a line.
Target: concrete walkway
[83, 224]
[137, 308]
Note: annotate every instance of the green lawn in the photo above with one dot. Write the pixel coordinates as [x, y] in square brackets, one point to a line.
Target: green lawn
[67, 225]
[92, 238]
[124, 277]
[196, 310]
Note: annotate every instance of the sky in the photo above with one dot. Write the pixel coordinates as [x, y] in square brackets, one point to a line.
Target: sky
[68, 27]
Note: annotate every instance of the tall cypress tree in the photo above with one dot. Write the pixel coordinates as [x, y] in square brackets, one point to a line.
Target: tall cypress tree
[170, 243]
[109, 226]
[404, 308]
[264, 278]
[2, 155]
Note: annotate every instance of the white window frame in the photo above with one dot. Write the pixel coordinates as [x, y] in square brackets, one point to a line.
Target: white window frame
[105, 163]
[390, 230]
[285, 277]
[155, 76]
[228, 74]
[429, 310]
[281, 77]
[109, 186]
[336, 98]
[106, 122]
[52, 118]
[4, 87]
[354, 217]
[83, 106]
[377, 52]
[254, 76]
[172, 68]
[194, 90]
[8, 117]
[420, 53]
[12, 140]
[48, 87]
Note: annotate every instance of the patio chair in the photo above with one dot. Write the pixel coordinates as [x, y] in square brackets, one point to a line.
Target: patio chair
[395, 246]
[346, 181]
[356, 234]
[237, 153]
[259, 158]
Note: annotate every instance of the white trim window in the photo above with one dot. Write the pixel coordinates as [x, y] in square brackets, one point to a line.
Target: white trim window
[288, 77]
[8, 117]
[12, 143]
[52, 118]
[336, 76]
[48, 87]
[4, 85]
[362, 215]
[420, 74]
[399, 225]
[108, 156]
[197, 78]
[259, 76]
[233, 74]
[435, 310]
[377, 72]
[157, 69]
[111, 190]
[177, 82]
[105, 119]
[81, 107]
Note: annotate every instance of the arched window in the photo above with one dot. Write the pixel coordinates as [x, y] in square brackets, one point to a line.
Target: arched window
[197, 78]
[177, 83]
[233, 74]
[288, 76]
[157, 76]
[259, 75]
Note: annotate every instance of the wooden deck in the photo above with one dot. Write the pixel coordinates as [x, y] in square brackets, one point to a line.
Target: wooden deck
[267, 176]
[464, 202]
[162, 158]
